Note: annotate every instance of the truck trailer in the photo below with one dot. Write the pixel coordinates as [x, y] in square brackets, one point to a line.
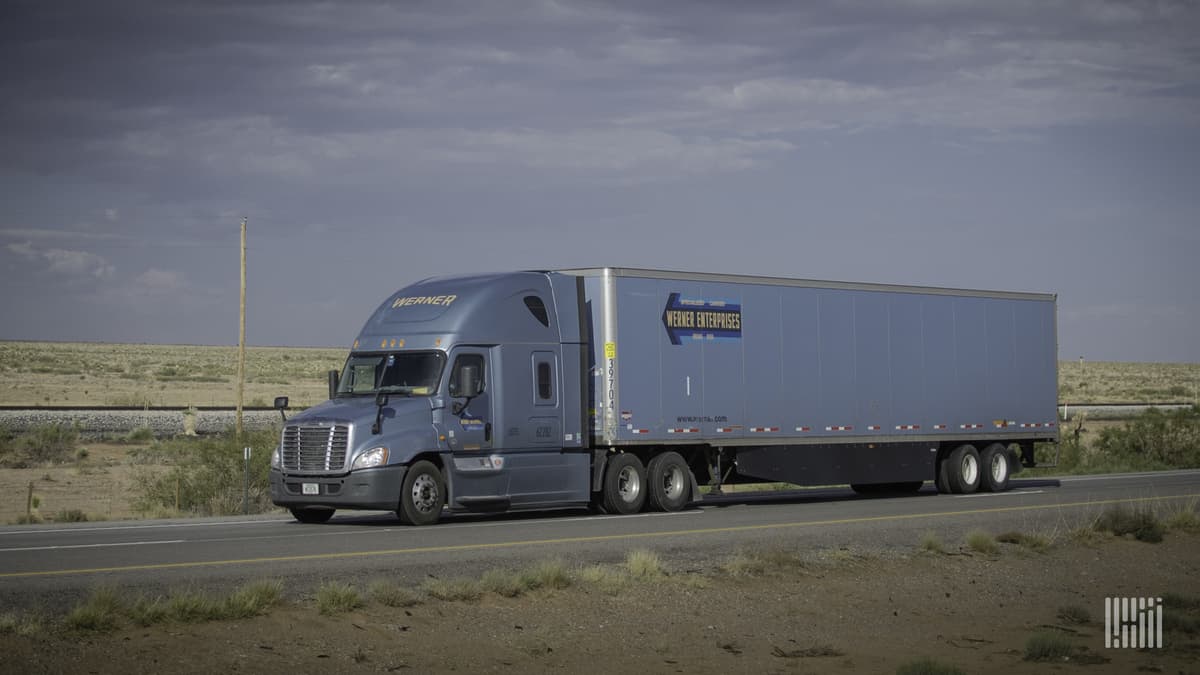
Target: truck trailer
[627, 389]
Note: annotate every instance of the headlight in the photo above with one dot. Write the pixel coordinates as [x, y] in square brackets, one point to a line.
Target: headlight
[276, 463]
[370, 459]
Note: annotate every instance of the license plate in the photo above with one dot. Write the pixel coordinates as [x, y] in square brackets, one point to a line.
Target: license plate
[311, 489]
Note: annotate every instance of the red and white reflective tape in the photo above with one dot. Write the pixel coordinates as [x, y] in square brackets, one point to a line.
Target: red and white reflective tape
[873, 427]
[1030, 425]
[939, 426]
[763, 430]
[970, 426]
[639, 431]
[727, 430]
[685, 430]
[908, 427]
[839, 428]
[803, 428]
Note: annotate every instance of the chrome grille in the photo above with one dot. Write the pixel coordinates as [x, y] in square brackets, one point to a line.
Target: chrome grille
[315, 448]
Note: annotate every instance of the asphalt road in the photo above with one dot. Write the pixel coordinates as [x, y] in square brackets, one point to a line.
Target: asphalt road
[53, 565]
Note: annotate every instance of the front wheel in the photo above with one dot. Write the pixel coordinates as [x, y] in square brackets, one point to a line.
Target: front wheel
[624, 484]
[670, 484]
[423, 494]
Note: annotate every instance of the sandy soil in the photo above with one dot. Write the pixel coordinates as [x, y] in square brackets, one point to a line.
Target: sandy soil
[101, 486]
[840, 612]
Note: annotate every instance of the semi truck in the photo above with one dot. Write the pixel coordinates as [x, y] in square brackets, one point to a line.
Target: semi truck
[625, 390]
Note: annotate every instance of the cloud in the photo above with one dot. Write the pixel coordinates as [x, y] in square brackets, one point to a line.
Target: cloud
[24, 249]
[70, 264]
[155, 280]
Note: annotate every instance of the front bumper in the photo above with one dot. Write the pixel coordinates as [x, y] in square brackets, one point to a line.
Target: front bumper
[374, 489]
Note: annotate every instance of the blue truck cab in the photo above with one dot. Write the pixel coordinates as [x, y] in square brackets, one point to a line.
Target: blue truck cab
[416, 421]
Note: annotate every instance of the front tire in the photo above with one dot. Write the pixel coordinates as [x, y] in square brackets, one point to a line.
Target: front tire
[312, 516]
[996, 467]
[423, 494]
[624, 484]
[962, 470]
[669, 482]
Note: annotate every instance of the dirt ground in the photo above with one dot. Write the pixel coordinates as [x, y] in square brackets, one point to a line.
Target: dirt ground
[101, 486]
[839, 612]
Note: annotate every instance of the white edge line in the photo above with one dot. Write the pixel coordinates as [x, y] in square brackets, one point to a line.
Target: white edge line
[119, 543]
[1011, 493]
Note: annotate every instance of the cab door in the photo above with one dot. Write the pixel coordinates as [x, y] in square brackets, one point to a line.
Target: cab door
[479, 482]
[470, 422]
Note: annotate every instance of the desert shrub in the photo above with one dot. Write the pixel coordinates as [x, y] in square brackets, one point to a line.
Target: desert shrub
[643, 564]
[253, 599]
[1047, 647]
[207, 475]
[1156, 438]
[47, 444]
[453, 589]
[1121, 520]
[390, 594]
[928, 666]
[982, 542]
[100, 612]
[139, 435]
[1033, 542]
[71, 516]
[1074, 614]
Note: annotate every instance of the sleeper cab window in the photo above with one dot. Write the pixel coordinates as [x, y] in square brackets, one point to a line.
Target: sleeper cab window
[538, 309]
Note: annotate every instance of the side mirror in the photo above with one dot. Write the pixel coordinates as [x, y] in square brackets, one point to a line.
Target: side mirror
[281, 404]
[333, 384]
[381, 399]
[469, 385]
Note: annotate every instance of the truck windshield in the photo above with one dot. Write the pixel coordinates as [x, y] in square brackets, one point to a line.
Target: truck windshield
[411, 373]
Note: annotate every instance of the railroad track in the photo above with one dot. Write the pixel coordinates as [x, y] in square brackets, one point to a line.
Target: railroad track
[161, 420]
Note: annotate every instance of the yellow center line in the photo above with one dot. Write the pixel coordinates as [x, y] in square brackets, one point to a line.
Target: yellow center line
[587, 539]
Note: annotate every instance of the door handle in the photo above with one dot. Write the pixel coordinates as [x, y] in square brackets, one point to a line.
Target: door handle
[487, 431]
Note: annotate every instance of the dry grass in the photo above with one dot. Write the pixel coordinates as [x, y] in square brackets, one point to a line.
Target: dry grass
[74, 373]
[1119, 382]
[644, 565]
[982, 542]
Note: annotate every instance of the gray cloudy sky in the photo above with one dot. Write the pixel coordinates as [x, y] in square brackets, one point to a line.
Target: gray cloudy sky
[1016, 145]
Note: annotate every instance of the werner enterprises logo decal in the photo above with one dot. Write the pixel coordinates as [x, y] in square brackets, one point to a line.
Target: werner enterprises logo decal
[438, 300]
[701, 319]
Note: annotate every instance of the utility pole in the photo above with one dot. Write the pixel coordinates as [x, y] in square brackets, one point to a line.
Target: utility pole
[241, 388]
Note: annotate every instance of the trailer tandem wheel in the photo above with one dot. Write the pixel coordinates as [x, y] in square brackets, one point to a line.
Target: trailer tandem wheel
[962, 469]
[995, 468]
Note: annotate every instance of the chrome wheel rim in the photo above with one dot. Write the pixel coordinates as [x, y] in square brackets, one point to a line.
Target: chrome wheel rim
[629, 484]
[425, 493]
[673, 483]
[999, 468]
[970, 469]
